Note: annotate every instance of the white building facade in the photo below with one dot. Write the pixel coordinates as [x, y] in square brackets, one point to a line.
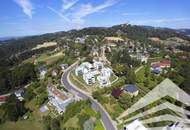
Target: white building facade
[135, 125]
[89, 72]
[59, 99]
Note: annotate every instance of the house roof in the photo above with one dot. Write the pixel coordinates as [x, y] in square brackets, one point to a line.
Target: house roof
[42, 68]
[162, 63]
[131, 88]
[116, 92]
[156, 71]
[58, 93]
[3, 98]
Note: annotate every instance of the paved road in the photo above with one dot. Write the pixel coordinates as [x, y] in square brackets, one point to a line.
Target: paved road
[107, 121]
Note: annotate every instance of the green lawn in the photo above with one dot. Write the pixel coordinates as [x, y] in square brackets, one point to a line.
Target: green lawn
[48, 58]
[71, 123]
[22, 125]
[99, 125]
[77, 82]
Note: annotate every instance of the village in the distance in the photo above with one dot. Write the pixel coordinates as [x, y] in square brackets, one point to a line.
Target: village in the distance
[122, 77]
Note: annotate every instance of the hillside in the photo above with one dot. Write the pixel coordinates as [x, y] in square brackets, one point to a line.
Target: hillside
[24, 45]
[184, 31]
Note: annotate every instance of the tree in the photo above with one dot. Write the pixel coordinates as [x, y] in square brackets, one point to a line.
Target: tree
[120, 69]
[147, 71]
[13, 108]
[131, 77]
[29, 94]
[83, 118]
[125, 101]
[47, 122]
[55, 124]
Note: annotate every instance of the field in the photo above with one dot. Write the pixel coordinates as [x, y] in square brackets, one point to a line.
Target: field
[173, 41]
[44, 45]
[48, 58]
[22, 125]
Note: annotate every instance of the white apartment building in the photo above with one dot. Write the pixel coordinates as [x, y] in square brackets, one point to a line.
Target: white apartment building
[103, 81]
[87, 65]
[89, 78]
[88, 71]
[106, 72]
[81, 70]
[98, 65]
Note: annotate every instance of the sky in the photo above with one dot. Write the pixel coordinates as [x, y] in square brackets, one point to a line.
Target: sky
[32, 17]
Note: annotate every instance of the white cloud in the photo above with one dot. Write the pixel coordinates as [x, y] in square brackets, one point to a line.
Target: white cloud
[87, 9]
[26, 6]
[78, 14]
[67, 4]
[59, 13]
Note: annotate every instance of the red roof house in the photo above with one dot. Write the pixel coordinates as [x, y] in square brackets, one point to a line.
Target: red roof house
[162, 64]
[3, 99]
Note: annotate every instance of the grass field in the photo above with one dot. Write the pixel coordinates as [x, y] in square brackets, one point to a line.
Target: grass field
[50, 58]
[22, 125]
[44, 45]
[47, 58]
[99, 125]
[71, 123]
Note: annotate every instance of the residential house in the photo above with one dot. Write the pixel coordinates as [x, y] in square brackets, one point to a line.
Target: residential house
[103, 80]
[156, 70]
[59, 99]
[80, 40]
[64, 66]
[19, 94]
[135, 125]
[142, 57]
[43, 72]
[157, 67]
[89, 78]
[116, 92]
[131, 89]
[3, 99]
[54, 73]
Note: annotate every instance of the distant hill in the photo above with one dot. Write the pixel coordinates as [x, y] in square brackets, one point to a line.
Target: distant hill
[184, 31]
[133, 32]
[6, 38]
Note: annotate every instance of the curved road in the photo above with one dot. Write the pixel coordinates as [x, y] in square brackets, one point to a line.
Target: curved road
[107, 121]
